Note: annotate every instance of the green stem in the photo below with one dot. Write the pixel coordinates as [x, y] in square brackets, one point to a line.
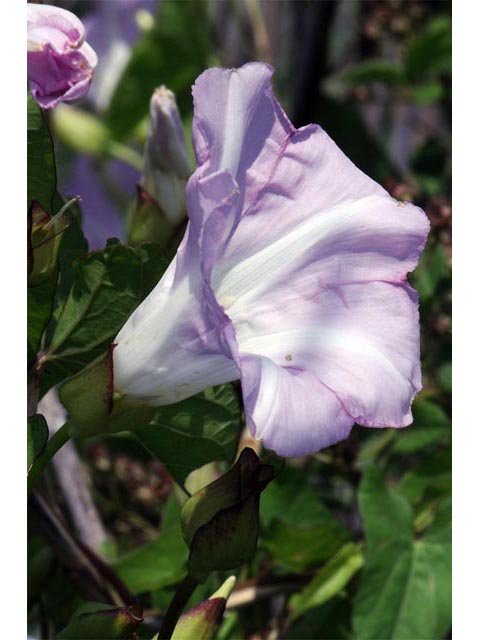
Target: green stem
[177, 605]
[126, 154]
[55, 443]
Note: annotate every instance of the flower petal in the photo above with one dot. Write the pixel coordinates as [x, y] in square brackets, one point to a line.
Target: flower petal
[54, 26]
[360, 341]
[242, 130]
[172, 346]
[60, 63]
[371, 239]
[289, 409]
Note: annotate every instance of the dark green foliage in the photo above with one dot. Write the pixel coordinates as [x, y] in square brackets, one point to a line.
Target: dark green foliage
[405, 589]
[37, 436]
[41, 174]
[102, 290]
[174, 52]
[159, 563]
[188, 435]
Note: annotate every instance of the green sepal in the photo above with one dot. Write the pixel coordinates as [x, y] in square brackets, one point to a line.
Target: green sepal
[148, 222]
[93, 621]
[88, 396]
[220, 522]
[44, 237]
[93, 407]
[202, 622]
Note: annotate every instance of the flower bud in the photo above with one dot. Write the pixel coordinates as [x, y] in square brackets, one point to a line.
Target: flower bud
[60, 63]
[220, 522]
[201, 622]
[167, 166]
[95, 621]
[148, 223]
[44, 236]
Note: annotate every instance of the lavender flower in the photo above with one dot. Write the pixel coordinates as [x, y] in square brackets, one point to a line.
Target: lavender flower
[292, 277]
[60, 63]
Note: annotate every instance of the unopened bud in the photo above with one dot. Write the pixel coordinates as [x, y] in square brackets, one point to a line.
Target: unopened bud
[167, 167]
[44, 236]
[220, 522]
[93, 621]
[147, 221]
[201, 622]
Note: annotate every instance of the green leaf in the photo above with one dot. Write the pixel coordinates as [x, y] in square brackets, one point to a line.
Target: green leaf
[330, 621]
[73, 245]
[39, 311]
[386, 515]
[432, 269]
[444, 377]
[98, 620]
[430, 54]
[299, 531]
[431, 164]
[158, 563]
[404, 591]
[375, 71]
[427, 93]
[296, 548]
[329, 581]
[41, 297]
[202, 621]
[106, 287]
[433, 474]
[41, 175]
[37, 436]
[430, 426]
[202, 429]
[291, 500]
[173, 52]
[373, 446]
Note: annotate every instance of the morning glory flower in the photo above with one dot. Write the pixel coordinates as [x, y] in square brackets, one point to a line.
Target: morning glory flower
[292, 277]
[60, 63]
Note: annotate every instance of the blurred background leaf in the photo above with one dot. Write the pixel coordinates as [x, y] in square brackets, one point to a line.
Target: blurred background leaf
[173, 52]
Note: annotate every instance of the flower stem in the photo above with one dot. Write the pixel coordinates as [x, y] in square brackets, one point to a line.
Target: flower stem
[55, 443]
[126, 154]
[177, 605]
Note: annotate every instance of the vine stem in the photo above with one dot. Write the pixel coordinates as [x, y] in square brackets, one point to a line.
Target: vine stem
[176, 606]
[55, 443]
[126, 154]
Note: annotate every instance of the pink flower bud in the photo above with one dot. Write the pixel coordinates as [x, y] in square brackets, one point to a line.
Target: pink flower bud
[60, 63]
